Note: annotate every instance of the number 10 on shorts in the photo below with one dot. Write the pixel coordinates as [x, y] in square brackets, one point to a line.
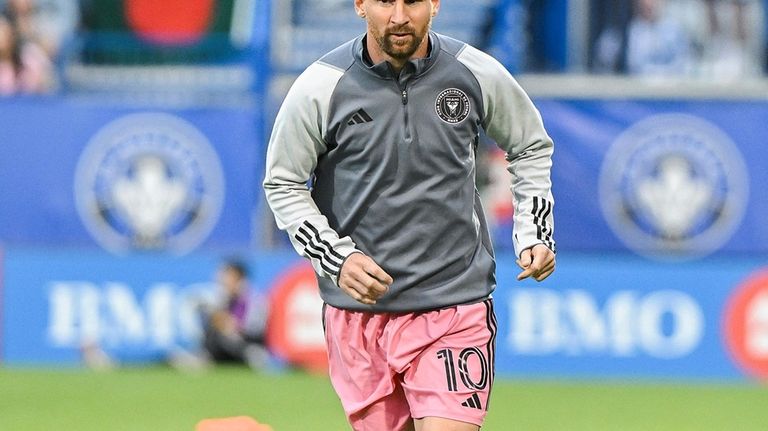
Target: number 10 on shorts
[465, 358]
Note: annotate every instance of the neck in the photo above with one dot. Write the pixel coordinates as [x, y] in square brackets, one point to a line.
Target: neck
[377, 55]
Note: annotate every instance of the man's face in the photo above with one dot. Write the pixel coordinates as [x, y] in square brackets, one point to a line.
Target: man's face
[399, 27]
[649, 9]
[229, 280]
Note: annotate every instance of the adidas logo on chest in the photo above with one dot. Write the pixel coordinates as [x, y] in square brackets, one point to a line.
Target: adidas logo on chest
[359, 117]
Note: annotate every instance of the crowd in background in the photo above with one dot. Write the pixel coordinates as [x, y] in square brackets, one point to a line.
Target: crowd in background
[33, 34]
[712, 39]
[709, 39]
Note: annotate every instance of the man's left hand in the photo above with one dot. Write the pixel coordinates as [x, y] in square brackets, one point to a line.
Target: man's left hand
[537, 262]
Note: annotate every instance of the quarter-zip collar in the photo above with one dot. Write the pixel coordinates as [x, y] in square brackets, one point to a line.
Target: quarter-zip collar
[412, 68]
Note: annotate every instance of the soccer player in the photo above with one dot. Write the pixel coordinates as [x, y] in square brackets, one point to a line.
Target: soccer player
[371, 171]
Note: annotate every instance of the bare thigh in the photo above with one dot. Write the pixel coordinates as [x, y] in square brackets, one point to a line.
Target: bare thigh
[431, 423]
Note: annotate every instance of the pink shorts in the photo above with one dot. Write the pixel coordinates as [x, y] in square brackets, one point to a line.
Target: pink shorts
[388, 368]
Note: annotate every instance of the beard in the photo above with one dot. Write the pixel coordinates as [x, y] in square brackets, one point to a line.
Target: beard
[401, 49]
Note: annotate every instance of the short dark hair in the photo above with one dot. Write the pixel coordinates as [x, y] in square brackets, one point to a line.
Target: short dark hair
[238, 266]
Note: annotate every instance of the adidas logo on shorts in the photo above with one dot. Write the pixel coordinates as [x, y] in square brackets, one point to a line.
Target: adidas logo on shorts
[473, 402]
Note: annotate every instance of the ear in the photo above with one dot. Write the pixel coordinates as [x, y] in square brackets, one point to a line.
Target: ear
[359, 8]
[435, 7]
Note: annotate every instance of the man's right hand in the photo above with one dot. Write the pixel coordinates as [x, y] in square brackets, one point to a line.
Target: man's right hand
[362, 279]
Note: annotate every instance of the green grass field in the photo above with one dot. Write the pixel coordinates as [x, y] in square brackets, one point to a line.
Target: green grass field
[162, 399]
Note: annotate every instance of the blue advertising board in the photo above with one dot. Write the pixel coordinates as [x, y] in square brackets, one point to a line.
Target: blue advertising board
[139, 308]
[597, 317]
[623, 316]
[668, 180]
[91, 174]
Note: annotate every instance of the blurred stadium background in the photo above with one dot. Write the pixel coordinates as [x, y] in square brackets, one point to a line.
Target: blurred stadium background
[132, 139]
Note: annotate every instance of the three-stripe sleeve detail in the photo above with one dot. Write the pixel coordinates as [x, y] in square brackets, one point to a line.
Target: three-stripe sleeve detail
[542, 208]
[319, 249]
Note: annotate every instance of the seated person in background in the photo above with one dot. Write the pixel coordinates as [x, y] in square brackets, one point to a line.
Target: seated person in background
[49, 23]
[233, 323]
[9, 57]
[731, 41]
[234, 326]
[657, 43]
[24, 66]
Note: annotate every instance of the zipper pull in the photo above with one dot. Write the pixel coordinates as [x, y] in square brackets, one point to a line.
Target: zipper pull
[405, 97]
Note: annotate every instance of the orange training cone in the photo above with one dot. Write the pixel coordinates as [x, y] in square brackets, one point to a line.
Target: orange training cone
[239, 423]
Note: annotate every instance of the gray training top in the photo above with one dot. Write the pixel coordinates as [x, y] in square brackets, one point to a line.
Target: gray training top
[391, 160]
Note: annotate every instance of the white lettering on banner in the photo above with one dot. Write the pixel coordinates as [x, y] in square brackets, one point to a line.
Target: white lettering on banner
[688, 324]
[304, 308]
[534, 316]
[112, 315]
[127, 317]
[757, 326]
[73, 317]
[160, 304]
[547, 322]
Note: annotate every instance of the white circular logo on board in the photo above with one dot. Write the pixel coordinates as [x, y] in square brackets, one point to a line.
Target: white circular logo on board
[673, 186]
[149, 181]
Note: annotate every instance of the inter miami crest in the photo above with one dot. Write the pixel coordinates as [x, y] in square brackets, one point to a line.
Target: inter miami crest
[452, 105]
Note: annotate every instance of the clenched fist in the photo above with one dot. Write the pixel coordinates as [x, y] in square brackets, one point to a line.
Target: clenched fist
[363, 279]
